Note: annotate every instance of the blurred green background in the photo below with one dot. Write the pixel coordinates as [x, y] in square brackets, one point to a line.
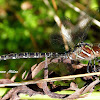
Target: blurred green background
[26, 25]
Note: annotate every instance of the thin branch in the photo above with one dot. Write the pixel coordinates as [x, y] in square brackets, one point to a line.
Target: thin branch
[83, 90]
[50, 79]
[54, 5]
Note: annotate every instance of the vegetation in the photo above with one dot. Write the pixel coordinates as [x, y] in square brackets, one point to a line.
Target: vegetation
[26, 26]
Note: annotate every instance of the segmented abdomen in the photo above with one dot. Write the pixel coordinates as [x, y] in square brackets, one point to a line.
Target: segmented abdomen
[84, 52]
[30, 55]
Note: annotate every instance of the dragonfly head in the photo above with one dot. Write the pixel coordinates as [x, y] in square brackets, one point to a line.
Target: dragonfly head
[96, 49]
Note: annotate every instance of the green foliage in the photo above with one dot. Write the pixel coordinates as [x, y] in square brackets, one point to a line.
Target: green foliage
[69, 14]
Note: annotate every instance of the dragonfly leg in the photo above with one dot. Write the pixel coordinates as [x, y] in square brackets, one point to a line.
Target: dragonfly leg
[89, 64]
[94, 69]
[88, 67]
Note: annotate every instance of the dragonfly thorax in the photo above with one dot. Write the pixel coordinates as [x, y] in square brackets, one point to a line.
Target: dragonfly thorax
[85, 52]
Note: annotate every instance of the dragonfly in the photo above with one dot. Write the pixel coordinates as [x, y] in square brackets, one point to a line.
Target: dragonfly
[81, 51]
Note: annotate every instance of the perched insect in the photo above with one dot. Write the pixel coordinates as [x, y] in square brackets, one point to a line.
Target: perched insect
[81, 51]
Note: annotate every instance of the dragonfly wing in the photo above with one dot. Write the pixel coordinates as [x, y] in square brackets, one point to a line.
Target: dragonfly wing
[79, 32]
[81, 29]
[57, 43]
[59, 40]
[73, 34]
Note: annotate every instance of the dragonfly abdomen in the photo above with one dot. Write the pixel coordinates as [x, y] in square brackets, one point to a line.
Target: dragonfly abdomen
[82, 52]
[30, 55]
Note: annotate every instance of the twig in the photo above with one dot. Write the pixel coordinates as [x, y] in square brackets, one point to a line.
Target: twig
[83, 90]
[50, 79]
[54, 5]
[13, 94]
[45, 86]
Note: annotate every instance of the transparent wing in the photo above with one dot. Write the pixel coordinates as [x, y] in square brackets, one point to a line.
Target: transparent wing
[73, 34]
[57, 39]
[81, 29]
[57, 43]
